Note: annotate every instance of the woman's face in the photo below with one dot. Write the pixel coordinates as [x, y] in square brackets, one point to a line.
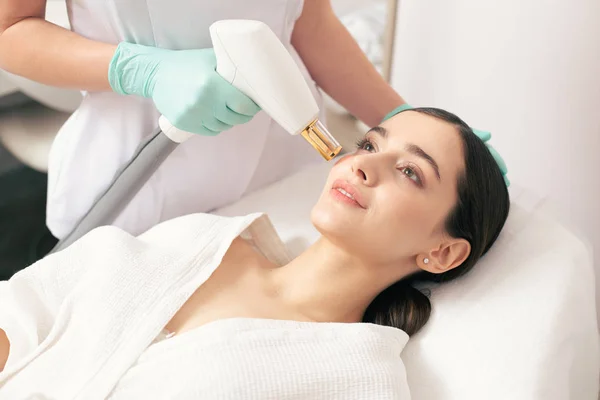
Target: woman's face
[388, 201]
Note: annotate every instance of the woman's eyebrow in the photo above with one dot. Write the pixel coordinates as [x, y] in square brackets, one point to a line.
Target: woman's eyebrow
[413, 149]
[379, 130]
[419, 152]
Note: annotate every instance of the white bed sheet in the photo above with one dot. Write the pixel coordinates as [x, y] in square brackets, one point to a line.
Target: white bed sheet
[521, 325]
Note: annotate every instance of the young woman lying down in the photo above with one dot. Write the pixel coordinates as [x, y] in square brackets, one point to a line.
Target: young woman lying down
[212, 307]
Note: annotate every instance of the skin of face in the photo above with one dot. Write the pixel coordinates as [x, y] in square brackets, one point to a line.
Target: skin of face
[386, 203]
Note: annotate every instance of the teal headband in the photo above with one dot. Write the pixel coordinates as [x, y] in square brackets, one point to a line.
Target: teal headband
[483, 135]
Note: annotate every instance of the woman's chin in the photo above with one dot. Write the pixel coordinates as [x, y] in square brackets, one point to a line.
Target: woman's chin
[331, 220]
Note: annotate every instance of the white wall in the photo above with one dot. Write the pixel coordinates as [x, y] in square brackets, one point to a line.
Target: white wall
[528, 71]
[343, 7]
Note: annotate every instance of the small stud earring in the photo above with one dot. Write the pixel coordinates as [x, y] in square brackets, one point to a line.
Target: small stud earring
[426, 260]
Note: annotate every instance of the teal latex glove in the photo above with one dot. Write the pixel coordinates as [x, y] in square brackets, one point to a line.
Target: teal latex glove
[184, 86]
[483, 135]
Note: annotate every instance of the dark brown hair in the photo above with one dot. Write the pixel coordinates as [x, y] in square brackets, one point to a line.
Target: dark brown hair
[478, 217]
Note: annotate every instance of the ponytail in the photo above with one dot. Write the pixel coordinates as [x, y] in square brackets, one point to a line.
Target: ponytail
[400, 306]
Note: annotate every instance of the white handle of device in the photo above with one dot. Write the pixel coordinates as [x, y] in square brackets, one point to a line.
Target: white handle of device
[253, 59]
[176, 135]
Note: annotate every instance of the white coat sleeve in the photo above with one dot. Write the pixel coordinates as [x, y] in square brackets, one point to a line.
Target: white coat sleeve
[30, 300]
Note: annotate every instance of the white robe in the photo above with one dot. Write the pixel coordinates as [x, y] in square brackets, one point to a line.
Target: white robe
[82, 324]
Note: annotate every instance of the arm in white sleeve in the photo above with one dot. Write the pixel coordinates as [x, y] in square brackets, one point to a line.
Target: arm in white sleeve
[31, 299]
[4, 349]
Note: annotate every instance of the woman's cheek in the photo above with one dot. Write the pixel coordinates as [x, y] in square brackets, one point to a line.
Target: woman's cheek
[344, 159]
[401, 206]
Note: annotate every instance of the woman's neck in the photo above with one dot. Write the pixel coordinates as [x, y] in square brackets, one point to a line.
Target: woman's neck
[327, 284]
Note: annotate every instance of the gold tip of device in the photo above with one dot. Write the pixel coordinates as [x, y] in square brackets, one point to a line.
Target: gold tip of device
[319, 137]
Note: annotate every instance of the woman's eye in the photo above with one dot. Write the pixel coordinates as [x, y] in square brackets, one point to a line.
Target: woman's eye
[365, 144]
[411, 174]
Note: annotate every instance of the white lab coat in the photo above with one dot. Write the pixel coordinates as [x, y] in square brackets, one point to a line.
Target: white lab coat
[202, 174]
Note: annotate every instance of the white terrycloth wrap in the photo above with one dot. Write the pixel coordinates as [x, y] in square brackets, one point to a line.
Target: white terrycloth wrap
[82, 324]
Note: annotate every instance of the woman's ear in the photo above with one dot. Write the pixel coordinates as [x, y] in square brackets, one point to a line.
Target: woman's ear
[449, 255]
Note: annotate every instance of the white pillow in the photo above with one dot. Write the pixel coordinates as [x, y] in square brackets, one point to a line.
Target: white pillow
[521, 325]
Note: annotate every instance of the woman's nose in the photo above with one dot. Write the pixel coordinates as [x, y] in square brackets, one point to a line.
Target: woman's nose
[364, 170]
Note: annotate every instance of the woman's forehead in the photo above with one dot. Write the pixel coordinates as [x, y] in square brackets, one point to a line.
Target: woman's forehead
[415, 124]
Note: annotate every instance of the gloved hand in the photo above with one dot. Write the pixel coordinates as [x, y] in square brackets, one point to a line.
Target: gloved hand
[184, 86]
[483, 135]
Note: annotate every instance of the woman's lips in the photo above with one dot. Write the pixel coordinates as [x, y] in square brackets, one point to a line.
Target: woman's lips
[343, 191]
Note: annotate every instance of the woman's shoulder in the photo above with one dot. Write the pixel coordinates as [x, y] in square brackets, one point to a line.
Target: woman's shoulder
[196, 230]
[197, 225]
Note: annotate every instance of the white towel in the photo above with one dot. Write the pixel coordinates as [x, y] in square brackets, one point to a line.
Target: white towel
[82, 324]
